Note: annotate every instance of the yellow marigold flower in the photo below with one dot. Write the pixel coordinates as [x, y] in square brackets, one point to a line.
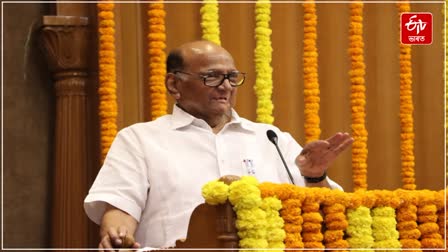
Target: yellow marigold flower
[263, 57]
[253, 243]
[252, 233]
[215, 192]
[210, 21]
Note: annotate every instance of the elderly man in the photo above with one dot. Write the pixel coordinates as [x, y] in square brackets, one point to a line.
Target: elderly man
[152, 177]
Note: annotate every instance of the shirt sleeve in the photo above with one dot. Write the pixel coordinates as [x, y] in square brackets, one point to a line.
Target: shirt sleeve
[122, 181]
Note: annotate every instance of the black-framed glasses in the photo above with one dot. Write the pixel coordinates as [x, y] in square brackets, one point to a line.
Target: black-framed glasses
[216, 79]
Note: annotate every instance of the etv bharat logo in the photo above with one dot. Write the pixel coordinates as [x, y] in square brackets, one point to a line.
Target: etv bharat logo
[416, 28]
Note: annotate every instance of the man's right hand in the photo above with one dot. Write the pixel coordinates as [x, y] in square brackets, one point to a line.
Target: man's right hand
[117, 230]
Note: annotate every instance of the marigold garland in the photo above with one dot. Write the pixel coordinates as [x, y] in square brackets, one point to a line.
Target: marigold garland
[244, 193]
[291, 210]
[335, 220]
[384, 227]
[210, 21]
[310, 74]
[368, 218]
[263, 57]
[157, 59]
[407, 220]
[359, 228]
[406, 110]
[441, 213]
[275, 234]
[108, 110]
[251, 222]
[427, 219]
[358, 97]
[215, 192]
[312, 219]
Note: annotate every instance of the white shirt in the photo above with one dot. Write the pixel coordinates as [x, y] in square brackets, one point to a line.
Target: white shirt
[154, 171]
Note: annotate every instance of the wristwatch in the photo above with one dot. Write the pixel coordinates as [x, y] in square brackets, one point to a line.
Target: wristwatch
[315, 179]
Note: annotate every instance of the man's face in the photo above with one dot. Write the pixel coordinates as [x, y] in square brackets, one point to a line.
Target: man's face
[198, 99]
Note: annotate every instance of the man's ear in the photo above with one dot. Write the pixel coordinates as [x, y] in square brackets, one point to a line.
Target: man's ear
[171, 83]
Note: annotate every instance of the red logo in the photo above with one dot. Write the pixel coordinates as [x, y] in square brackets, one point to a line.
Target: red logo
[416, 28]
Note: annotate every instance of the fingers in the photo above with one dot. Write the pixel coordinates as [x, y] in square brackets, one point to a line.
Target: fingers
[318, 145]
[318, 155]
[339, 142]
[115, 238]
[344, 145]
[136, 245]
[333, 145]
[105, 243]
[122, 233]
[337, 139]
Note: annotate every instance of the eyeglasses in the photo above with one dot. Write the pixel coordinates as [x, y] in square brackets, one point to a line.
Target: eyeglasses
[216, 79]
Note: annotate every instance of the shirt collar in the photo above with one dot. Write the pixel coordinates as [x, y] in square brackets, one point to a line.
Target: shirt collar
[180, 119]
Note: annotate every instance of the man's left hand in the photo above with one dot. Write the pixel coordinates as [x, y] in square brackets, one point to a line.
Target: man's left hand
[317, 156]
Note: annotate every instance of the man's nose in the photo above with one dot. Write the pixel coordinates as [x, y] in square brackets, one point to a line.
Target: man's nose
[225, 84]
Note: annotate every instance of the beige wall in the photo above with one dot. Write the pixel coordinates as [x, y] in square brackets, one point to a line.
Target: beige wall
[382, 79]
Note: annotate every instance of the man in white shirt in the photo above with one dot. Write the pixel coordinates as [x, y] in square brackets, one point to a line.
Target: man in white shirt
[152, 177]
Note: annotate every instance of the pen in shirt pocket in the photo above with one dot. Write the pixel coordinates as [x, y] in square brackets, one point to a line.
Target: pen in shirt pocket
[248, 165]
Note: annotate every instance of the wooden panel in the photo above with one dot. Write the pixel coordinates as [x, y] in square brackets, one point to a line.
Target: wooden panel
[130, 67]
[382, 80]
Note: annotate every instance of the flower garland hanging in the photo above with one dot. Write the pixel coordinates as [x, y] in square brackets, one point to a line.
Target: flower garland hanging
[157, 59]
[384, 228]
[291, 211]
[407, 219]
[245, 196]
[310, 74]
[263, 57]
[292, 215]
[359, 228]
[107, 76]
[275, 234]
[215, 192]
[441, 210]
[335, 220]
[363, 219]
[210, 21]
[427, 219]
[406, 110]
[358, 97]
[312, 220]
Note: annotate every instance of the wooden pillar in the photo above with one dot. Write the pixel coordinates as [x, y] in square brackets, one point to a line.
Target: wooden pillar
[65, 43]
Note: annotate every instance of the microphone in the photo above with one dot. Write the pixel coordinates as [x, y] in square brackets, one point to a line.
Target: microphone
[274, 139]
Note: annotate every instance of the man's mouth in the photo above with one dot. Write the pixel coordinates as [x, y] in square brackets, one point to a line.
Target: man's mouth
[220, 98]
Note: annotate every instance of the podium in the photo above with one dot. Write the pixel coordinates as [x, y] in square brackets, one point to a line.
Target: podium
[212, 226]
[321, 218]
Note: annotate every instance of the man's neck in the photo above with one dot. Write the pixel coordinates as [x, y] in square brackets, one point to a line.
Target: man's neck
[217, 123]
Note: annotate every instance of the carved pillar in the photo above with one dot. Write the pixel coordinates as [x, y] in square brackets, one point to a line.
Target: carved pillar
[64, 40]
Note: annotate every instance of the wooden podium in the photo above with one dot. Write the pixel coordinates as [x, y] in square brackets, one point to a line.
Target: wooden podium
[212, 226]
[319, 218]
